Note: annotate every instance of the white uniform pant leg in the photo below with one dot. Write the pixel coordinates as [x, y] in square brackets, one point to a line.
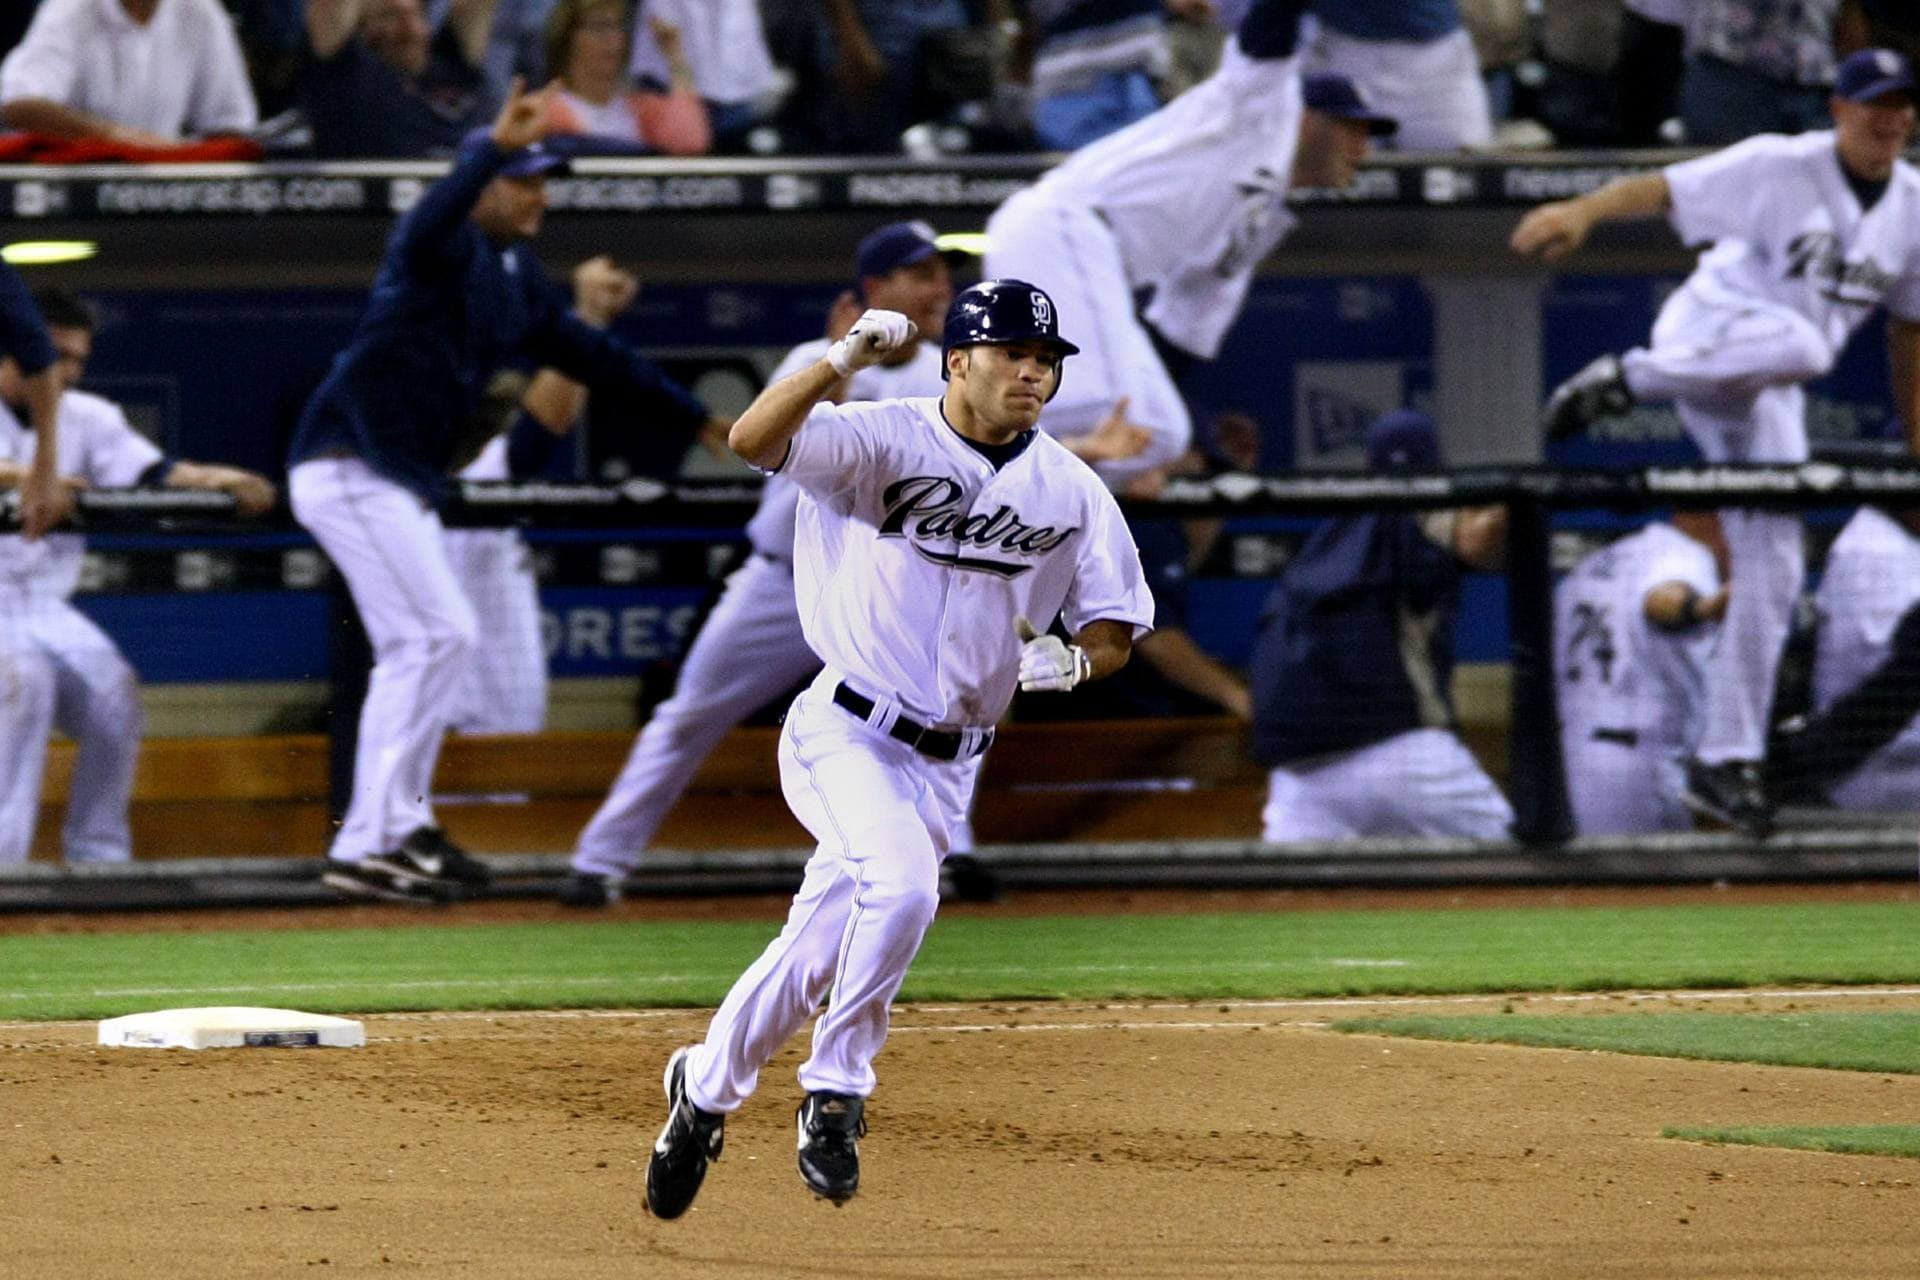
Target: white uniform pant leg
[505, 689]
[1433, 89]
[1304, 804]
[97, 704]
[1618, 790]
[749, 651]
[1423, 782]
[1072, 254]
[26, 718]
[870, 892]
[1720, 357]
[387, 544]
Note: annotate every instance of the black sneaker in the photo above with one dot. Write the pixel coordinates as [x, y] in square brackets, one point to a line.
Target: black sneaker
[588, 891]
[831, 1126]
[430, 848]
[970, 879]
[1732, 792]
[390, 877]
[1597, 391]
[687, 1142]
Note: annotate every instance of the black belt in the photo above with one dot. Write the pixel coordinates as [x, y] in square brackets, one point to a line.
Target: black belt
[1622, 737]
[941, 744]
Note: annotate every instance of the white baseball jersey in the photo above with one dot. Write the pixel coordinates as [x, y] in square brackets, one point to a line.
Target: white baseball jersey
[98, 445]
[1872, 577]
[913, 555]
[1632, 696]
[1805, 245]
[1195, 193]
[771, 528]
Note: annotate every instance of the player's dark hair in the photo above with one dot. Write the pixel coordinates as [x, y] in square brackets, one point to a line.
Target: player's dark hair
[62, 310]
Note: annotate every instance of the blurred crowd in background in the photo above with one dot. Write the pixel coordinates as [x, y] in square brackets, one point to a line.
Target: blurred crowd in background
[339, 79]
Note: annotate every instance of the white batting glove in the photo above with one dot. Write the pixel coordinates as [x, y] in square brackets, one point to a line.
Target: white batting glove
[1048, 663]
[874, 334]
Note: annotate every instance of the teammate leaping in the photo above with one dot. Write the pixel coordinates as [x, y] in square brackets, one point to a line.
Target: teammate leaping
[1810, 233]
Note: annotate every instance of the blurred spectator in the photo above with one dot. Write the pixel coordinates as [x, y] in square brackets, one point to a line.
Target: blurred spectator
[588, 42]
[1097, 63]
[1648, 71]
[381, 82]
[1633, 623]
[1876, 24]
[1756, 66]
[1352, 672]
[881, 65]
[1502, 35]
[517, 45]
[725, 42]
[1860, 748]
[62, 670]
[1412, 59]
[143, 72]
[273, 40]
[1580, 94]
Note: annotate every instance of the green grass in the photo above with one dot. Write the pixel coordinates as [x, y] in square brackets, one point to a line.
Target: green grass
[1851, 1139]
[1842, 1040]
[621, 964]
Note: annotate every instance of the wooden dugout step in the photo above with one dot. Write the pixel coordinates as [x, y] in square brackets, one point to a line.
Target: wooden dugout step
[1146, 779]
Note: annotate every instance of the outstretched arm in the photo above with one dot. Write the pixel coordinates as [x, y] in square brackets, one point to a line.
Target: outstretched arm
[762, 433]
[253, 494]
[1555, 230]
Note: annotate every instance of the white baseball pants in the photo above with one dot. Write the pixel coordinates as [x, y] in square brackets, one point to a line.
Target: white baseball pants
[1072, 254]
[884, 816]
[1734, 375]
[750, 651]
[388, 545]
[505, 689]
[57, 669]
[1420, 783]
[1621, 790]
[1433, 89]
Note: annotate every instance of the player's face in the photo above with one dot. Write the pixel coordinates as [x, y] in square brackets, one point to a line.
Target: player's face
[920, 291]
[396, 32]
[1003, 385]
[1872, 134]
[1330, 151]
[73, 348]
[510, 209]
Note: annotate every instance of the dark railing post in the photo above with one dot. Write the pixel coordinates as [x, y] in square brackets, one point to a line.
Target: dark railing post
[1537, 774]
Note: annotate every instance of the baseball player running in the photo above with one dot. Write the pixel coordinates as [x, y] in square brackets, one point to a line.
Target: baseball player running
[1633, 625]
[929, 532]
[56, 666]
[44, 500]
[458, 294]
[1810, 233]
[1184, 203]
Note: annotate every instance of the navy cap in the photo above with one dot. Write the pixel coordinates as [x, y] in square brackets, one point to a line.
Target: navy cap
[1404, 440]
[551, 156]
[896, 245]
[1871, 72]
[1332, 94]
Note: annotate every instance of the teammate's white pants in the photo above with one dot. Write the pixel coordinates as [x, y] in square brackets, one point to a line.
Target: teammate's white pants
[1889, 781]
[883, 815]
[1072, 254]
[1434, 89]
[57, 669]
[1420, 783]
[505, 689]
[1734, 375]
[1621, 790]
[387, 544]
[750, 651]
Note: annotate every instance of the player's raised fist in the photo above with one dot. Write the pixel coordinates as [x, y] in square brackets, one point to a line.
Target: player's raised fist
[874, 336]
[1048, 663]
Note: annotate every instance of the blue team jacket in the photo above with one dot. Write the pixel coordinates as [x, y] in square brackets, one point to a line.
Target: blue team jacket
[1331, 670]
[449, 308]
[22, 336]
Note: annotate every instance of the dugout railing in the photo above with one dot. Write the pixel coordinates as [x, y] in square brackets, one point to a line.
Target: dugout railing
[1552, 511]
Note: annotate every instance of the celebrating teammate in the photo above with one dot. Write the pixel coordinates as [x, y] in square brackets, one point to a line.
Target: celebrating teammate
[1633, 624]
[458, 294]
[1810, 233]
[929, 532]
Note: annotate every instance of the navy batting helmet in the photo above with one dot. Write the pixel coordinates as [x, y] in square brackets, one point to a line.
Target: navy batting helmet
[1000, 311]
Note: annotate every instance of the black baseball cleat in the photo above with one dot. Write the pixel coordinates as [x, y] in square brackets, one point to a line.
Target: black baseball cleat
[970, 879]
[1732, 792]
[388, 877]
[831, 1126]
[431, 849]
[1597, 391]
[589, 891]
[689, 1140]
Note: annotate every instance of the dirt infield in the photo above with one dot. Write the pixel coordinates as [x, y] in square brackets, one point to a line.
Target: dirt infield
[1038, 1140]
